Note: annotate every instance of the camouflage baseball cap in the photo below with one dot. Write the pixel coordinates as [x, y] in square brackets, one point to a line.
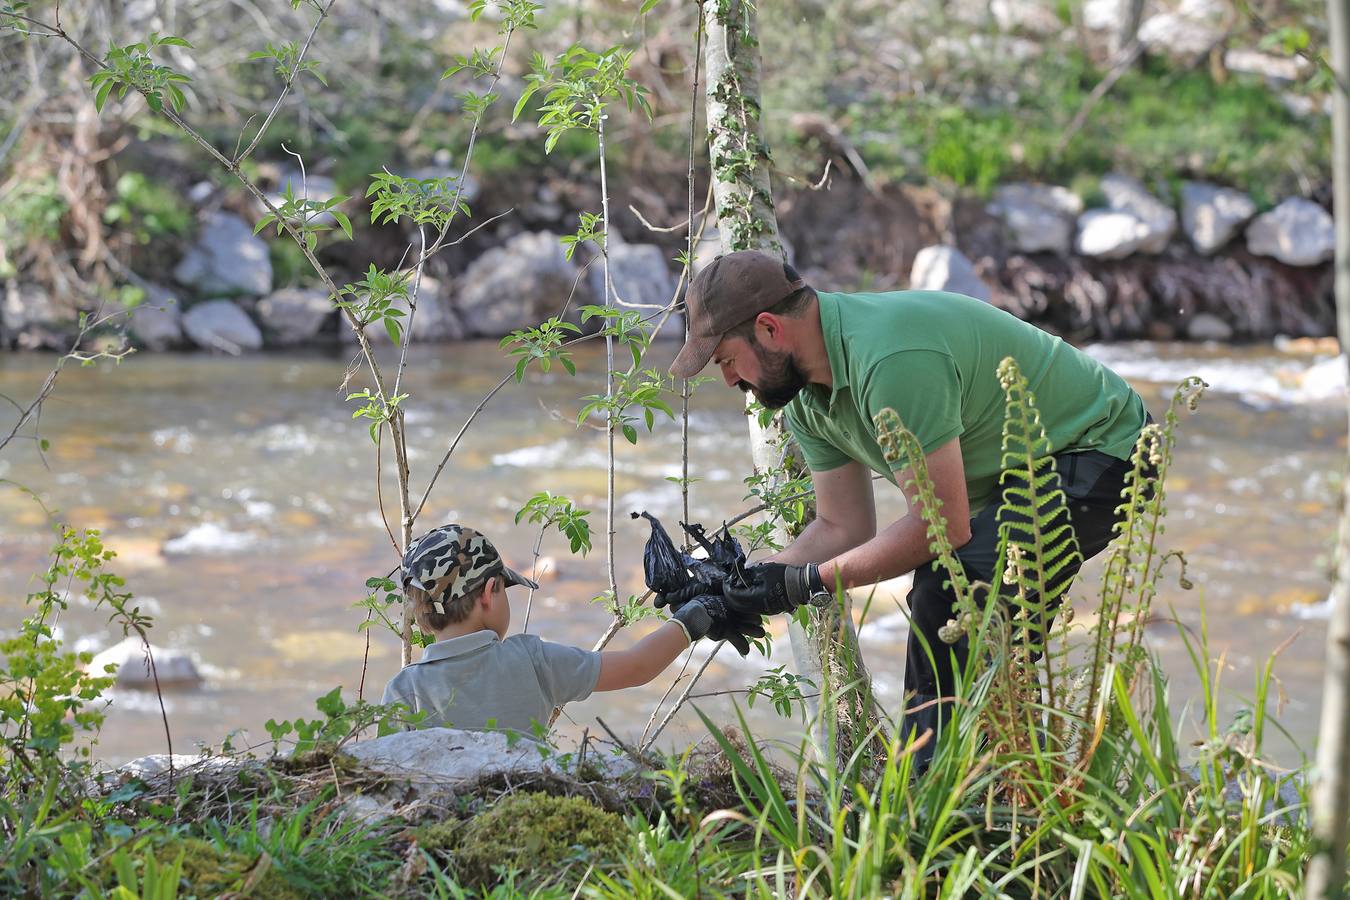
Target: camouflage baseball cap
[453, 561]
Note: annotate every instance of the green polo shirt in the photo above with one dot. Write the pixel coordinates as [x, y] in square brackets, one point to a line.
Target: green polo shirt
[933, 357]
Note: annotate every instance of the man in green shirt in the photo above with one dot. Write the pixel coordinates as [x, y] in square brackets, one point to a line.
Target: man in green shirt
[832, 362]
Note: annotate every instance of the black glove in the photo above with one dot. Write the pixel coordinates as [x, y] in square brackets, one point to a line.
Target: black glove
[738, 629]
[772, 588]
[697, 616]
[680, 596]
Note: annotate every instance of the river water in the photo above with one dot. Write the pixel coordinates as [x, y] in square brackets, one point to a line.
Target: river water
[240, 496]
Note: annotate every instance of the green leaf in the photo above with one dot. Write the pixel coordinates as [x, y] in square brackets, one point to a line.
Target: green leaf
[395, 331]
[343, 222]
[630, 433]
[101, 95]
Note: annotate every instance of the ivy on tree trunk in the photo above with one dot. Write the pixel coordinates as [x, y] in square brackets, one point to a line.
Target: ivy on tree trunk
[827, 651]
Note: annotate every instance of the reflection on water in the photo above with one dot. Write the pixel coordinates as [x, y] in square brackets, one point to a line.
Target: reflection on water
[241, 499]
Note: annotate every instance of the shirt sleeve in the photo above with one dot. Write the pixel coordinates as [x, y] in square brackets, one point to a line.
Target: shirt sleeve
[393, 695]
[565, 673]
[820, 455]
[924, 389]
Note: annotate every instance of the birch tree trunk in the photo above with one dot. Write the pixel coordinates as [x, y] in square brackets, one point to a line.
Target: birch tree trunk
[1331, 785]
[828, 651]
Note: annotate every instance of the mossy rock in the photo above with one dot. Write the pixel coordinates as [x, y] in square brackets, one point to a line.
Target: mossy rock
[530, 832]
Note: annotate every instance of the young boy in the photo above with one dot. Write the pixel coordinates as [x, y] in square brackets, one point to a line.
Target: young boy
[476, 677]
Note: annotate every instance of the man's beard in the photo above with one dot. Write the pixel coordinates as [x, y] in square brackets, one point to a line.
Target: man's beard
[780, 381]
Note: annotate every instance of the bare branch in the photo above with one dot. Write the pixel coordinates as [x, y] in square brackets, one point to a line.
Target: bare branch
[286, 88]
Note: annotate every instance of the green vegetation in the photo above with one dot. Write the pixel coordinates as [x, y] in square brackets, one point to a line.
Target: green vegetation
[1157, 123]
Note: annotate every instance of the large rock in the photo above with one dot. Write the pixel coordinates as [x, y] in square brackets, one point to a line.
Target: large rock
[1212, 215]
[1208, 327]
[1184, 34]
[31, 320]
[1026, 16]
[1298, 232]
[157, 323]
[295, 315]
[172, 667]
[436, 319]
[638, 274]
[1134, 222]
[1126, 194]
[222, 326]
[227, 259]
[1102, 15]
[1276, 70]
[148, 768]
[448, 756]
[518, 285]
[941, 268]
[1107, 234]
[1038, 217]
[428, 766]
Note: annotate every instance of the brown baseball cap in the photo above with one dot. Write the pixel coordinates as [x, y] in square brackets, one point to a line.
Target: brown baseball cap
[730, 290]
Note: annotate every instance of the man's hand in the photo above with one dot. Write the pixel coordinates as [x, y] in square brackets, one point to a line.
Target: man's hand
[772, 588]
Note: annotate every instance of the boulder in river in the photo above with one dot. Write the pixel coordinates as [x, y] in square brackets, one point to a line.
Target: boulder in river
[157, 323]
[638, 274]
[30, 318]
[1208, 327]
[436, 319]
[940, 268]
[222, 326]
[173, 667]
[1298, 232]
[228, 258]
[295, 315]
[518, 285]
[1211, 215]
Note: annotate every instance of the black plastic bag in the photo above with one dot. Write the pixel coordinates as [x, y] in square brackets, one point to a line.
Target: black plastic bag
[663, 566]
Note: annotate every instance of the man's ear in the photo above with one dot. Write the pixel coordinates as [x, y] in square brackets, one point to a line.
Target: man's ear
[769, 329]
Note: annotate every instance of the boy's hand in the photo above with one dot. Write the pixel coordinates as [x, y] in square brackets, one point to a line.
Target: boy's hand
[679, 597]
[697, 616]
[738, 630]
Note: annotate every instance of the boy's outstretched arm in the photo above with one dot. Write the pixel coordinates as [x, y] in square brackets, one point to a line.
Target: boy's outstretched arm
[643, 661]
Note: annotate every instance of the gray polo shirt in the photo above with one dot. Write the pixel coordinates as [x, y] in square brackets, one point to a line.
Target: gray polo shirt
[475, 679]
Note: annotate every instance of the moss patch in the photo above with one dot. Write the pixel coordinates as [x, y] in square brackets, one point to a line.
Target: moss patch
[527, 832]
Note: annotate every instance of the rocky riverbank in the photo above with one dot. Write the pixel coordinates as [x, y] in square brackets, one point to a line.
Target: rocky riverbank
[1126, 263]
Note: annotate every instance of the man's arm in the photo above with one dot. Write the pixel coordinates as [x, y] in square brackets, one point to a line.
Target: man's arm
[845, 516]
[643, 661]
[903, 545]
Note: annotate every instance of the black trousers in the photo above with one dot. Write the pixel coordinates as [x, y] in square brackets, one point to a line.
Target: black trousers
[1092, 483]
